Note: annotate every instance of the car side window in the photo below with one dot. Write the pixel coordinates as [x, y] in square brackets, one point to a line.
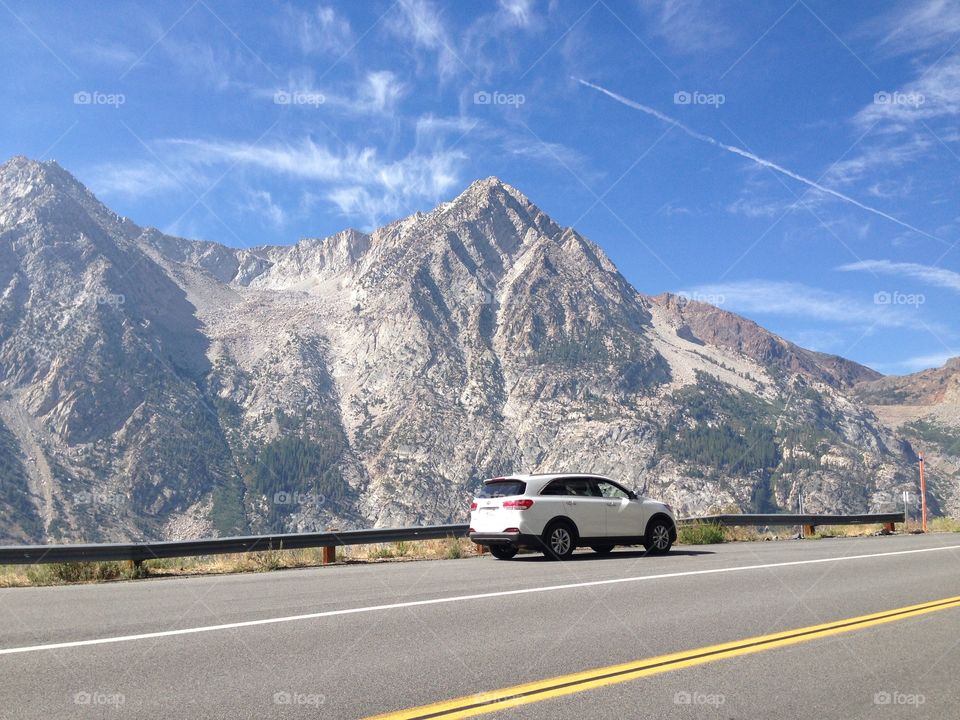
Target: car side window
[554, 488]
[609, 490]
[581, 487]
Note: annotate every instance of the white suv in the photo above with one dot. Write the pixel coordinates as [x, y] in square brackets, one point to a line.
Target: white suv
[558, 513]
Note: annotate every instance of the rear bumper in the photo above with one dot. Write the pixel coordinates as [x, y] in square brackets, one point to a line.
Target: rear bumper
[490, 538]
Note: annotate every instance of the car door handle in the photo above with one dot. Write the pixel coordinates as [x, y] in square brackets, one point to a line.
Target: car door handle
[612, 504]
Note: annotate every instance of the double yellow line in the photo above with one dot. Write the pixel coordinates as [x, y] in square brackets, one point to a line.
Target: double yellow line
[495, 700]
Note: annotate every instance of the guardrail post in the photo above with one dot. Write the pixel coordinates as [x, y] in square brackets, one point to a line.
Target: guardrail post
[808, 530]
[329, 552]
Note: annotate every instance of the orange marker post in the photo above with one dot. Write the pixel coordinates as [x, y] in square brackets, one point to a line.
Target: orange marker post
[923, 495]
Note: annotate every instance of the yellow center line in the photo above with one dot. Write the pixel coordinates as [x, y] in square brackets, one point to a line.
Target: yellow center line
[495, 700]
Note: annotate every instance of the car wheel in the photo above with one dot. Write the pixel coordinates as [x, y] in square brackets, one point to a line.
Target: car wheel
[559, 540]
[602, 549]
[657, 539]
[503, 552]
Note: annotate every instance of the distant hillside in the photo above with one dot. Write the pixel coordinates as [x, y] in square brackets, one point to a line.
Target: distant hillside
[925, 409]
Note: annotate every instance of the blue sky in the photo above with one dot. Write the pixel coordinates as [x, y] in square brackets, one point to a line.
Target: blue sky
[795, 162]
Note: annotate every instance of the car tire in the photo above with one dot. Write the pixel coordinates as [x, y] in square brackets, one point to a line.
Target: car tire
[503, 552]
[602, 549]
[659, 537]
[559, 540]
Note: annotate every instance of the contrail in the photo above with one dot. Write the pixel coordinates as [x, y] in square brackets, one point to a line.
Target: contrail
[755, 158]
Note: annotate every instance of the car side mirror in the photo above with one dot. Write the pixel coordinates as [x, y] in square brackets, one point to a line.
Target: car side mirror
[633, 495]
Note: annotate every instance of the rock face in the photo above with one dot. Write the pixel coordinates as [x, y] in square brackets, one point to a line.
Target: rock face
[924, 408]
[152, 386]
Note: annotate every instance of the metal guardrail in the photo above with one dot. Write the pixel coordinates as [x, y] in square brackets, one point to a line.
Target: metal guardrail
[139, 551]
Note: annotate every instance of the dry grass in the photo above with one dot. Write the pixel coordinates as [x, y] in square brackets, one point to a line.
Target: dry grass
[266, 561]
[834, 531]
[944, 524]
[447, 548]
[700, 534]
[13, 576]
[752, 534]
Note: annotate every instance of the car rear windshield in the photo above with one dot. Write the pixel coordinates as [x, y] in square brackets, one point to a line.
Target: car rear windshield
[503, 488]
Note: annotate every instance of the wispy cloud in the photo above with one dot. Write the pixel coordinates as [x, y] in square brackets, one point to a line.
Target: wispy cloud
[917, 26]
[260, 204]
[131, 180]
[548, 153]
[106, 53]
[754, 207]
[671, 209]
[419, 23]
[915, 363]
[520, 13]
[935, 276]
[787, 299]
[934, 94]
[688, 26]
[319, 31]
[375, 92]
[884, 157]
[379, 92]
[762, 162]
[359, 182]
[203, 62]
[908, 122]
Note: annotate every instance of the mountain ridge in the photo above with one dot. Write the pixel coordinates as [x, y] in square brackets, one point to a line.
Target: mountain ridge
[377, 377]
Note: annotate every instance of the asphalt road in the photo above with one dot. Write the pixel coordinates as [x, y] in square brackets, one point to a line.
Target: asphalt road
[393, 636]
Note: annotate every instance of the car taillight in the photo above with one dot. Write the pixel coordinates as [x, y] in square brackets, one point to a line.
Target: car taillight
[473, 506]
[471, 531]
[524, 504]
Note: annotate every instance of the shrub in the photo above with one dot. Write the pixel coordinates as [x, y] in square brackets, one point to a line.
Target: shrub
[75, 572]
[381, 552]
[454, 549]
[267, 560]
[701, 534]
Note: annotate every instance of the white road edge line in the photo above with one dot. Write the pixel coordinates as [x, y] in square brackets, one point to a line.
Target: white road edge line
[456, 598]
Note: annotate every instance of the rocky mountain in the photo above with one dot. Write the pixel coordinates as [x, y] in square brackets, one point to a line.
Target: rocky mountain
[153, 386]
[924, 408]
